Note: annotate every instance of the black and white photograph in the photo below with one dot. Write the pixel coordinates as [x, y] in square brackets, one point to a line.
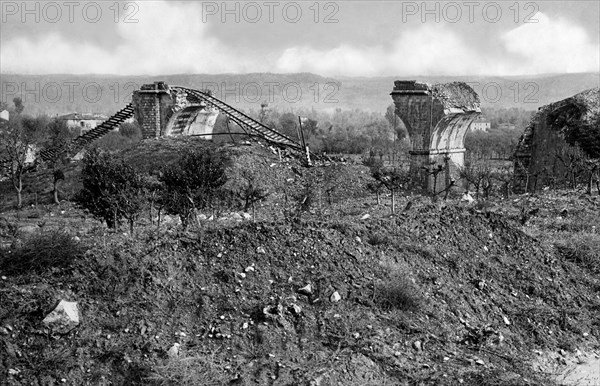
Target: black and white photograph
[300, 193]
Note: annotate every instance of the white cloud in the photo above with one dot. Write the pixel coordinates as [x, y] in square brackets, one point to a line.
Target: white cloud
[430, 49]
[167, 38]
[544, 47]
[171, 38]
[551, 46]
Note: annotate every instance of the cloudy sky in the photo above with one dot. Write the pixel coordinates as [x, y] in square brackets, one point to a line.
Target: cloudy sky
[353, 38]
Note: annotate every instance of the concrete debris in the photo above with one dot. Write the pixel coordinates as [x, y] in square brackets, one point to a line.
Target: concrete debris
[63, 318]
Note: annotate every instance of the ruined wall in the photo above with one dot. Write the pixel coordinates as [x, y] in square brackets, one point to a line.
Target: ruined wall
[437, 118]
[552, 132]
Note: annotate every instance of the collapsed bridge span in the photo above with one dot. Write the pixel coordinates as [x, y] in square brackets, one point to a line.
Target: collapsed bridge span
[170, 111]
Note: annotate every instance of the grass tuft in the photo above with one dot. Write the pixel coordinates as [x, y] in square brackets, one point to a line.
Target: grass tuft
[40, 252]
[399, 292]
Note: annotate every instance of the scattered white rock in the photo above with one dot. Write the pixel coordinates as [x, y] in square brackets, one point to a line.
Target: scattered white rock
[506, 321]
[201, 216]
[417, 345]
[467, 198]
[236, 217]
[242, 275]
[260, 250]
[173, 352]
[249, 269]
[295, 309]
[365, 216]
[63, 318]
[306, 290]
[76, 239]
[480, 362]
[246, 216]
[13, 371]
[335, 297]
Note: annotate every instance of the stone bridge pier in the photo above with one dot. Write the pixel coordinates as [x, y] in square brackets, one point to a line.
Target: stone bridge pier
[437, 118]
[163, 111]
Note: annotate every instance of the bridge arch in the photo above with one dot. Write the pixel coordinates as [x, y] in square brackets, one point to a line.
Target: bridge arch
[437, 119]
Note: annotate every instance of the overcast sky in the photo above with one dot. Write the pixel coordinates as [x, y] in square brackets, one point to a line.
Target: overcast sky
[354, 38]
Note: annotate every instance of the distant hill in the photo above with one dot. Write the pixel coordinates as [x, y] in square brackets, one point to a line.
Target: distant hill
[61, 94]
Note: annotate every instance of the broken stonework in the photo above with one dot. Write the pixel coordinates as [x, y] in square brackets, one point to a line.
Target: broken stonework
[574, 121]
[63, 318]
[437, 118]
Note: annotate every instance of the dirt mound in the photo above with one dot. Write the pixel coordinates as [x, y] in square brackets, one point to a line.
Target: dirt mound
[440, 296]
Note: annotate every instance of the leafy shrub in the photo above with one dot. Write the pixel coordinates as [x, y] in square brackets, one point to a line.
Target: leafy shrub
[111, 189]
[51, 249]
[194, 182]
[398, 292]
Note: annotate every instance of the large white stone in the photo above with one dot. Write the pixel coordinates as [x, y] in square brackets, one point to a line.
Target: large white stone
[63, 318]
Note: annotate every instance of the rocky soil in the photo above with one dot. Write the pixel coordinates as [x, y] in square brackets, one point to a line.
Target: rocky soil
[440, 294]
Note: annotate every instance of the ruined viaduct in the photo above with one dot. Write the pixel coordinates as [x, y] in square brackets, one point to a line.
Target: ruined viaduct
[163, 110]
[437, 118]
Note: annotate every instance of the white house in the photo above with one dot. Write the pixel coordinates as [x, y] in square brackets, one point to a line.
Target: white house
[85, 122]
[480, 123]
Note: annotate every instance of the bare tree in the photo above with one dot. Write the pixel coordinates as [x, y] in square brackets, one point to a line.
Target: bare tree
[18, 139]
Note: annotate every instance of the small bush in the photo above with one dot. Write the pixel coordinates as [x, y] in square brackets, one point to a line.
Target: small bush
[398, 292]
[194, 182]
[52, 249]
[112, 189]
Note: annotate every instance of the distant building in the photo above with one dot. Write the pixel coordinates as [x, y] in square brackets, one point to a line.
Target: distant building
[480, 123]
[85, 122]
